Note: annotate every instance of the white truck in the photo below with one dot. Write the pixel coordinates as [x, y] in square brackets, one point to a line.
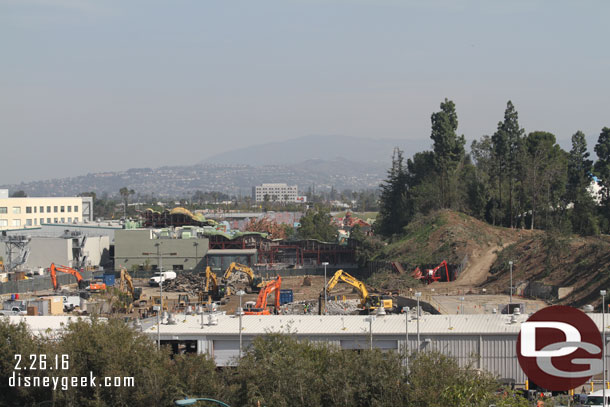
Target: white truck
[71, 302]
[161, 277]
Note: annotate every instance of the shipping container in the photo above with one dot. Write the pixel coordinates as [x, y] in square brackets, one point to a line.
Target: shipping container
[286, 296]
[108, 279]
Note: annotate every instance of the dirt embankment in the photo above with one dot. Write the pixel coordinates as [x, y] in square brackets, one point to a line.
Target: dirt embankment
[551, 262]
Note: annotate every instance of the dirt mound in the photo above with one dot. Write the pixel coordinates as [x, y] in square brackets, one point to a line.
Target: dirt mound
[449, 235]
[553, 262]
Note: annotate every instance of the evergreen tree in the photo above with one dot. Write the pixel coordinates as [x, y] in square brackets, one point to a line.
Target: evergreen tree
[579, 170]
[448, 148]
[602, 170]
[507, 142]
[393, 206]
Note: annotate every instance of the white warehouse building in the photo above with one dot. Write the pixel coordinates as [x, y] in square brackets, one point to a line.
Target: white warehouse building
[275, 193]
[485, 341]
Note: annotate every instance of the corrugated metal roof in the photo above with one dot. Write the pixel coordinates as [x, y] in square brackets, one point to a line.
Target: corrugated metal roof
[45, 324]
[492, 324]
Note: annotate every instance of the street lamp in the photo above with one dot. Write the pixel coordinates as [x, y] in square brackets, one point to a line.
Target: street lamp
[161, 280]
[240, 311]
[603, 294]
[325, 292]
[406, 311]
[510, 263]
[196, 244]
[370, 319]
[418, 295]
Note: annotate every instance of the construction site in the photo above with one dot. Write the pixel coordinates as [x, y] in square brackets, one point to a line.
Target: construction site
[463, 290]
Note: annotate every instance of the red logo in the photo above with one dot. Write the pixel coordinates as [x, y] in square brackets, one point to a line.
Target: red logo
[559, 348]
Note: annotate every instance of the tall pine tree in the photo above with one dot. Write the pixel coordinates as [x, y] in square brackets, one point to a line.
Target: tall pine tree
[602, 170]
[507, 145]
[448, 148]
[579, 170]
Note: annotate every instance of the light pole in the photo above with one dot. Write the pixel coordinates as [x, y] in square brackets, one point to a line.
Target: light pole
[603, 294]
[418, 295]
[371, 318]
[406, 311]
[161, 280]
[240, 311]
[510, 263]
[325, 292]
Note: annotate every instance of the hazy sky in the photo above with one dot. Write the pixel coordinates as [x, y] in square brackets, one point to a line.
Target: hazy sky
[88, 86]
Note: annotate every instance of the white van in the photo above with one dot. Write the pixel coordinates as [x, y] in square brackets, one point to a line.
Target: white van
[160, 277]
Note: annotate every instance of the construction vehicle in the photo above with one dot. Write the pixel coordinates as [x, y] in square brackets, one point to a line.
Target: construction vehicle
[212, 289]
[260, 308]
[367, 301]
[54, 269]
[126, 284]
[160, 277]
[432, 275]
[255, 283]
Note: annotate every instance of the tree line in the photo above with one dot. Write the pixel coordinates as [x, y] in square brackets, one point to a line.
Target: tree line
[277, 370]
[510, 178]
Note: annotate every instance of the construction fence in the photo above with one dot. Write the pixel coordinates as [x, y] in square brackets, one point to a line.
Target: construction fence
[39, 283]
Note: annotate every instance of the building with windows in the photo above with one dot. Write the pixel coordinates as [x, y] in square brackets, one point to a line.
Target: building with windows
[276, 193]
[24, 213]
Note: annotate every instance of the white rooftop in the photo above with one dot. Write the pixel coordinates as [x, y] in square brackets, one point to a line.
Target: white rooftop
[343, 324]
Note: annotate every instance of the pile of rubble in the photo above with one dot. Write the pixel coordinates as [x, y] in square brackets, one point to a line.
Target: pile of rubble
[347, 307]
[185, 283]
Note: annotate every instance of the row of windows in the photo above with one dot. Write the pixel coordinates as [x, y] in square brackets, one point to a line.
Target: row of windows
[34, 222]
[56, 209]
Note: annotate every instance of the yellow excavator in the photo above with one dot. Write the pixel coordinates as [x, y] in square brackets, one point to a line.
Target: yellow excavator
[254, 282]
[368, 302]
[212, 289]
[126, 284]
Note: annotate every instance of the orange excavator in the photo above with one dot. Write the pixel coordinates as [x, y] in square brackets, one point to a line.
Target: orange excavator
[54, 269]
[261, 302]
[432, 275]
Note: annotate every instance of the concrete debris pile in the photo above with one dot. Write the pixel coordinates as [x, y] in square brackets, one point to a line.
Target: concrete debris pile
[185, 283]
[348, 307]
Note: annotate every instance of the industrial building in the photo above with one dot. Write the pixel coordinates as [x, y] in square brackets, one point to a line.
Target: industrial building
[24, 213]
[485, 341]
[171, 249]
[69, 249]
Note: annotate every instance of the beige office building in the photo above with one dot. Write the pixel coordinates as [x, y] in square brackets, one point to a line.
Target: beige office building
[24, 213]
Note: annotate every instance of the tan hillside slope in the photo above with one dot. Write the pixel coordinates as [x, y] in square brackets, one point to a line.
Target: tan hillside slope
[568, 270]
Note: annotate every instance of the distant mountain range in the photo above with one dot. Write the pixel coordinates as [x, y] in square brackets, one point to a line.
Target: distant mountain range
[307, 148]
[321, 161]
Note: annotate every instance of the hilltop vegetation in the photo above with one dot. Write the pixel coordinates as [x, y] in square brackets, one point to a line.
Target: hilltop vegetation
[512, 178]
[445, 235]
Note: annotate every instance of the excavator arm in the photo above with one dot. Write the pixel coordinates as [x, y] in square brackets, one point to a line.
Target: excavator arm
[261, 302]
[64, 269]
[341, 275]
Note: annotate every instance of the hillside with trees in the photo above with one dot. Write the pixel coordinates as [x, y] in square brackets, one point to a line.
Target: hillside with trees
[511, 178]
